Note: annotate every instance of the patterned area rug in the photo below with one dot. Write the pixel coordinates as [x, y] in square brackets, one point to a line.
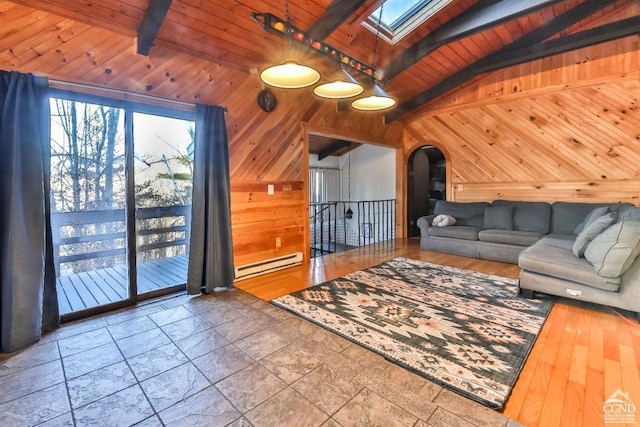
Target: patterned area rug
[466, 331]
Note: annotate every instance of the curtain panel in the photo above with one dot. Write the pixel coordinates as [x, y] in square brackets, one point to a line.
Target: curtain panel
[28, 300]
[211, 248]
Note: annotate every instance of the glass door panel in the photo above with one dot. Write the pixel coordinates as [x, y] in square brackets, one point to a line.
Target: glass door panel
[163, 184]
[88, 196]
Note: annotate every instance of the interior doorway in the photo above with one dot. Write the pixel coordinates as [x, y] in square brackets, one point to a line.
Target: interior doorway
[426, 184]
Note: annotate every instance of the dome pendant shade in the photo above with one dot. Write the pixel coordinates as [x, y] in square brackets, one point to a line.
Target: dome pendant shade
[376, 100]
[344, 86]
[338, 90]
[290, 75]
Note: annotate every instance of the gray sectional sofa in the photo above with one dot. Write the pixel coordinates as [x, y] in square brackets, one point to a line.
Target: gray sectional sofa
[499, 231]
[583, 251]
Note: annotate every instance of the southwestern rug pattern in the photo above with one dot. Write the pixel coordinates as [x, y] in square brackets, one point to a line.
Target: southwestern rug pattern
[464, 330]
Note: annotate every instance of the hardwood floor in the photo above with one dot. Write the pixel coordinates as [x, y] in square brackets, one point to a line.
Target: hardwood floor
[584, 353]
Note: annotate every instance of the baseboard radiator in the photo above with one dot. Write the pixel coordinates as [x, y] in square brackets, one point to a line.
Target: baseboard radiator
[268, 265]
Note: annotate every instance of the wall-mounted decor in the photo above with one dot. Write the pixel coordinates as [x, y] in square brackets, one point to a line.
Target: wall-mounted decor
[267, 100]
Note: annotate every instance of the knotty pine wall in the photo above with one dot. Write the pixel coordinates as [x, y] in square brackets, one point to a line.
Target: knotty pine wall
[265, 148]
[272, 148]
[562, 128]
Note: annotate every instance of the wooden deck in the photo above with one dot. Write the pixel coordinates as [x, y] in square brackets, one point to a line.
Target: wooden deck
[93, 288]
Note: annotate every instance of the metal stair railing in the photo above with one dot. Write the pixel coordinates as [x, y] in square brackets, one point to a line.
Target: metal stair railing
[332, 230]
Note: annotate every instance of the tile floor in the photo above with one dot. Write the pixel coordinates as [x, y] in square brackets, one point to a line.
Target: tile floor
[217, 360]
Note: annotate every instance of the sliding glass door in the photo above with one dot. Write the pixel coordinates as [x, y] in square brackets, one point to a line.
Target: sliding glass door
[163, 183]
[121, 180]
[88, 200]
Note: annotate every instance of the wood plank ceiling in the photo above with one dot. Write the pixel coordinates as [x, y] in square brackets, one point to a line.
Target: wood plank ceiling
[461, 42]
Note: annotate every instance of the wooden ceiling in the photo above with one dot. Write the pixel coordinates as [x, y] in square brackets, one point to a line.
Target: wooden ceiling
[465, 40]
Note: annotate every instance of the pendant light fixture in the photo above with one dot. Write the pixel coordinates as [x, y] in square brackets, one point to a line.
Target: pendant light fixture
[290, 74]
[376, 98]
[343, 86]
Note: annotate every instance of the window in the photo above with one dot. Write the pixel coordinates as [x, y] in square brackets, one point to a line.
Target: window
[400, 17]
[324, 185]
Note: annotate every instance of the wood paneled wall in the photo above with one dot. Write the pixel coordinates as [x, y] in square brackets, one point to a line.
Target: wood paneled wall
[259, 220]
[272, 148]
[265, 148]
[562, 128]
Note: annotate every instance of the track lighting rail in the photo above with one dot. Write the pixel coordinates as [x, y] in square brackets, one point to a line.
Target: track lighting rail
[274, 25]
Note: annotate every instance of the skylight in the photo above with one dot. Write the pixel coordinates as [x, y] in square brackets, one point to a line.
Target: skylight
[400, 17]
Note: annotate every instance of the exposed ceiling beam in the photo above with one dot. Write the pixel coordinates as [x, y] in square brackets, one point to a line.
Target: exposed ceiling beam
[471, 22]
[604, 33]
[527, 48]
[153, 17]
[337, 12]
[504, 59]
[333, 148]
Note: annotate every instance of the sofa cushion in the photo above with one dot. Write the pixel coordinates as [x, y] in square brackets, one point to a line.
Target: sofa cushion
[528, 216]
[511, 237]
[554, 257]
[591, 216]
[471, 214]
[566, 216]
[443, 220]
[594, 227]
[463, 232]
[628, 213]
[614, 250]
[498, 217]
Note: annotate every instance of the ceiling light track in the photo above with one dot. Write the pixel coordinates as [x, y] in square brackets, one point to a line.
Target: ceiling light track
[274, 25]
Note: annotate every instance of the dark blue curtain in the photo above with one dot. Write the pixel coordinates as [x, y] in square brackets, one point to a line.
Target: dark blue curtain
[28, 300]
[211, 249]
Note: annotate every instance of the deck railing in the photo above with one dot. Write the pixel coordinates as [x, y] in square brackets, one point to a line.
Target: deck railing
[333, 229]
[97, 239]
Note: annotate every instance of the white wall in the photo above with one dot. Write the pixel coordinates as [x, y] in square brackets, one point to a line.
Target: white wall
[373, 173]
[373, 177]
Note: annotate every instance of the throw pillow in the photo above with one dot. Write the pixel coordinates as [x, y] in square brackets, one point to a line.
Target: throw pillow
[498, 218]
[443, 220]
[591, 216]
[591, 231]
[629, 213]
[614, 250]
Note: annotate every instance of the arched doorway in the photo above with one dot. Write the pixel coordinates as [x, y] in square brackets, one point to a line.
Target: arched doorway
[426, 184]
